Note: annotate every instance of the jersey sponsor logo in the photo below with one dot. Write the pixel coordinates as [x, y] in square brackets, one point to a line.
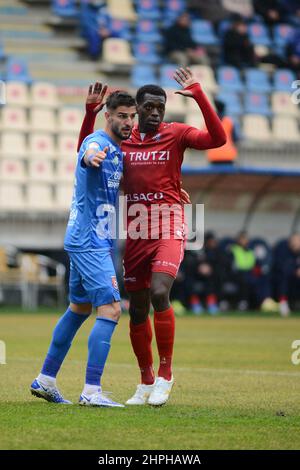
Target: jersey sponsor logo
[150, 197]
[165, 264]
[114, 180]
[130, 279]
[154, 156]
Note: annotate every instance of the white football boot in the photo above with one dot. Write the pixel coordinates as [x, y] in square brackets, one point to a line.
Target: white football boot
[141, 395]
[161, 391]
[99, 399]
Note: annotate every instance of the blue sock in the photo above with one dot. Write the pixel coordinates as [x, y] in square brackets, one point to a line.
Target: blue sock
[99, 346]
[63, 334]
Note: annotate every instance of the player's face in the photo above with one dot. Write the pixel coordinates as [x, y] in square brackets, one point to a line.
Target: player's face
[151, 112]
[121, 121]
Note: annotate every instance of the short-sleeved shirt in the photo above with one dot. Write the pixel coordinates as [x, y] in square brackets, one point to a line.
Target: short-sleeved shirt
[92, 215]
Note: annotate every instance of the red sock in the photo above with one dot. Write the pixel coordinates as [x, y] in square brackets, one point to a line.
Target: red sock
[211, 299]
[141, 337]
[164, 325]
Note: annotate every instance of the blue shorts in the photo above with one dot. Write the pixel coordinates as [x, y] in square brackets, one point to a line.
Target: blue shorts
[92, 278]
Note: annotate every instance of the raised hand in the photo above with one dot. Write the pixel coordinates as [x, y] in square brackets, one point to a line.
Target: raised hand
[185, 78]
[96, 96]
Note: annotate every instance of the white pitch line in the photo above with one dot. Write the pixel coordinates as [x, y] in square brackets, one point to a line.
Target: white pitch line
[187, 369]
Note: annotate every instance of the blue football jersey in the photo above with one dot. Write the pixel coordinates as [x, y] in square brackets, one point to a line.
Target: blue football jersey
[91, 225]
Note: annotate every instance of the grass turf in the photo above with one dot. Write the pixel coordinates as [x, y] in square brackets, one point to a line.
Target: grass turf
[236, 388]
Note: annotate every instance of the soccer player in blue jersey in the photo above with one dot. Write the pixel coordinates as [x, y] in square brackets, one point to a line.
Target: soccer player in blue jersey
[88, 242]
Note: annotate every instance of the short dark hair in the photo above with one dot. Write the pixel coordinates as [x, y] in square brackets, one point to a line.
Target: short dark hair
[152, 90]
[119, 98]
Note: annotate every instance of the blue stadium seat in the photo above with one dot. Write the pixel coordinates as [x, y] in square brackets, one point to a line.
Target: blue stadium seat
[65, 8]
[232, 102]
[120, 29]
[146, 53]
[17, 70]
[257, 80]
[166, 76]
[147, 31]
[142, 74]
[203, 33]
[229, 78]
[282, 33]
[259, 35]
[283, 80]
[148, 9]
[174, 8]
[257, 103]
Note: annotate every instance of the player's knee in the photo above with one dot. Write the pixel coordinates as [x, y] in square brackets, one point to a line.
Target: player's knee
[111, 311]
[160, 297]
[138, 315]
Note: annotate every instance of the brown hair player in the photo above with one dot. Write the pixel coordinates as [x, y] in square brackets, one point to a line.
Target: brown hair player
[153, 156]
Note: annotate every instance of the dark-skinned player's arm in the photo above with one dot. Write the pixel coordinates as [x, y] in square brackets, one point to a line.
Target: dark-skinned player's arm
[94, 103]
[214, 136]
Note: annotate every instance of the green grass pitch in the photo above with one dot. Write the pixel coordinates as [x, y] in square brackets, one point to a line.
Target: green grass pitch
[236, 388]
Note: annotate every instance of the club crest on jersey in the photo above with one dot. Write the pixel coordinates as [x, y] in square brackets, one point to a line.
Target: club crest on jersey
[114, 282]
[157, 137]
[115, 160]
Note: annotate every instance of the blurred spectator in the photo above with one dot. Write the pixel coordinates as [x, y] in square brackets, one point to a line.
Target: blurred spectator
[212, 10]
[208, 272]
[293, 52]
[243, 263]
[270, 10]
[90, 12]
[179, 45]
[237, 48]
[228, 152]
[289, 282]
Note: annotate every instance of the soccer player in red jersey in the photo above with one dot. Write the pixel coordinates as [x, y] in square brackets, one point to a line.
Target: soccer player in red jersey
[152, 168]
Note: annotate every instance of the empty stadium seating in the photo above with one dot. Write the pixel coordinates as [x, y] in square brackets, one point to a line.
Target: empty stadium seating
[203, 33]
[285, 129]
[205, 75]
[257, 80]
[11, 196]
[17, 94]
[257, 103]
[148, 9]
[142, 74]
[282, 104]
[126, 12]
[229, 78]
[13, 144]
[256, 127]
[146, 53]
[117, 51]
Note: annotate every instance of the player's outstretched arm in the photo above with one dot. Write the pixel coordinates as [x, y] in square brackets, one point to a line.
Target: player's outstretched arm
[94, 103]
[214, 136]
